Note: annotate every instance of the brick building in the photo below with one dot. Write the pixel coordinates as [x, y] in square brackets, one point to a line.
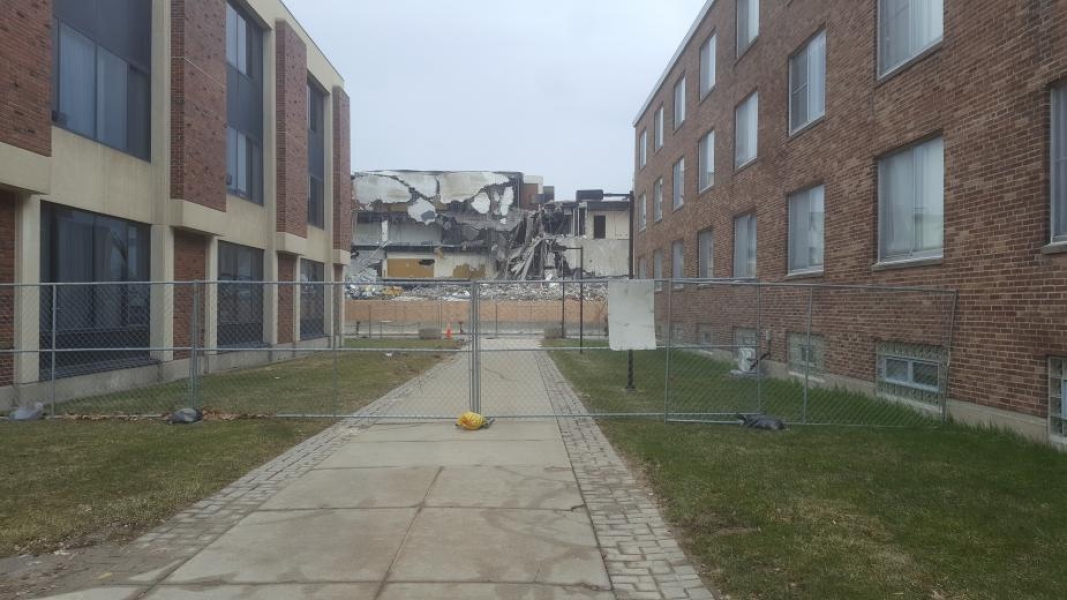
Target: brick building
[887, 142]
[164, 140]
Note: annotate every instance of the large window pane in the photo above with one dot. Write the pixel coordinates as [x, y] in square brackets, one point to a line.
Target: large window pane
[806, 243]
[657, 199]
[678, 260]
[679, 103]
[657, 268]
[642, 209]
[244, 113]
[747, 24]
[707, 65]
[745, 246]
[111, 96]
[807, 83]
[906, 28]
[642, 148]
[706, 153]
[678, 185]
[240, 296]
[312, 300]
[746, 127]
[911, 200]
[77, 82]
[706, 255]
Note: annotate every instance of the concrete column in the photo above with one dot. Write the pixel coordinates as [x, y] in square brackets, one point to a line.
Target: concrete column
[28, 299]
[162, 294]
[209, 296]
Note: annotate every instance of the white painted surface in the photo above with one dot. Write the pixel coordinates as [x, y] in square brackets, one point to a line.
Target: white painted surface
[631, 316]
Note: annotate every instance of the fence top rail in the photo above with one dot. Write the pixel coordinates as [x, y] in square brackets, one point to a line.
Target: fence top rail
[700, 282]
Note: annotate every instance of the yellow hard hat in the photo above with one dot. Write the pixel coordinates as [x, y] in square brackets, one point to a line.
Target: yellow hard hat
[471, 420]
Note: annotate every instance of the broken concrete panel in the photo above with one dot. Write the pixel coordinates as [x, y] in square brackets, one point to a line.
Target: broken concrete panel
[481, 203]
[422, 211]
[507, 198]
[380, 188]
[464, 185]
[423, 183]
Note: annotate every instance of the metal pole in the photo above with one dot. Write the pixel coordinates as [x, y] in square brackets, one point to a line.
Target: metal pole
[194, 333]
[759, 349]
[811, 355]
[667, 366]
[52, 374]
[581, 302]
[476, 388]
[338, 328]
[630, 263]
[948, 355]
[563, 318]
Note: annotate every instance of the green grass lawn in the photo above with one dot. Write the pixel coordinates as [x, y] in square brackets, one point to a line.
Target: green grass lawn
[828, 512]
[319, 383]
[71, 483]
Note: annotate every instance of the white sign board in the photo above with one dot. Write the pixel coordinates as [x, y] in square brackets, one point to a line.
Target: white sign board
[631, 315]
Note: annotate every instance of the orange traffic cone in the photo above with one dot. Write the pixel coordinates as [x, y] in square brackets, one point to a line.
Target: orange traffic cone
[448, 332]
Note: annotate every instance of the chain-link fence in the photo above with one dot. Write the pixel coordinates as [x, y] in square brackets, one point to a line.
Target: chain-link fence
[808, 354]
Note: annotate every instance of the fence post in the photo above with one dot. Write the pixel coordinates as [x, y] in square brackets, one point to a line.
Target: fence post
[476, 367]
[948, 354]
[667, 361]
[52, 371]
[338, 340]
[194, 335]
[811, 355]
[759, 348]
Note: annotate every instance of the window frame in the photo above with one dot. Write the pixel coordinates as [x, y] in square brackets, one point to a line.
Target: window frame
[910, 382]
[805, 50]
[706, 260]
[754, 97]
[741, 50]
[678, 184]
[231, 287]
[883, 221]
[752, 252]
[658, 126]
[706, 161]
[316, 205]
[1058, 153]
[805, 195]
[679, 113]
[1057, 395]
[312, 293]
[678, 259]
[657, 200]
[884, 71]
[252, 74]
[642, 213]
[709, 51]
[657, 269]
[642, 151]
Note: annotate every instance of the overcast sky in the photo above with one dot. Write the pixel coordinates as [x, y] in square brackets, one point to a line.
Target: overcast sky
[545, 87]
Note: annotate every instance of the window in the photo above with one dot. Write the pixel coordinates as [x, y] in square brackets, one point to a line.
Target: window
[659, 127]
[905, 29]
[807, 83]
[806, 354]
[745, 129]
[600, 227]
[312, 299]
[706, 156]
[316, 156]
[642, 269]
[678, 185]
[1059, 164]
[747, 24]
[244, 106]
[745, 246]
[707, 65]
[911, 198]
[101, 71]
[657, 268]
[910, 371]
[806, 231]
[705, 335]
[1057, 395]
[240, 305]
[657, 199]
[705, 255]
[78, 246]
[642, 149]
[678, 260]
[679, 103]
[642, 213]
[746, 340]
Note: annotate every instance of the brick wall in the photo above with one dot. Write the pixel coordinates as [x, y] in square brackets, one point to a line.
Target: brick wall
[292, 124]
[985, 90]
[7, 275]
[286, 272]
[190, 264]
[198, 102]
[26, 75]
[343, 203]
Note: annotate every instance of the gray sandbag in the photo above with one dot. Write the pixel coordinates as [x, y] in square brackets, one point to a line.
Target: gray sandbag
[28, 413]
[763, 422]
[185, 416]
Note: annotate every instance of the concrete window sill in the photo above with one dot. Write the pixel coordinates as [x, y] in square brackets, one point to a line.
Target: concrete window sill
[908, 264]
[805, 274]
[1055, 248]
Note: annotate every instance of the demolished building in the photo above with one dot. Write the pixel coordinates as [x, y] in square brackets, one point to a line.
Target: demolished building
[470, 225]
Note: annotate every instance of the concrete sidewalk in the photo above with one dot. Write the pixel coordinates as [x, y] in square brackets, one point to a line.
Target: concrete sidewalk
[524, 510]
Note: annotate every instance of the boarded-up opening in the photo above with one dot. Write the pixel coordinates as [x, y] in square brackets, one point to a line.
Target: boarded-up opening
[404, 268]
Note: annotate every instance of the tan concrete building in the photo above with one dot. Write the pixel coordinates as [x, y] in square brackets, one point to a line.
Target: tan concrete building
[163, 140]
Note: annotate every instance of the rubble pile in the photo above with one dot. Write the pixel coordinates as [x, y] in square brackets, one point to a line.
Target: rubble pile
[461, 292]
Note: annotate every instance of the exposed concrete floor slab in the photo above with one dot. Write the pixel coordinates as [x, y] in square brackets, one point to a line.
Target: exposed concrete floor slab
[387, 487]
[307, 591]
[448, 432]
[501, 546]
[533, 487]
[319, 546]
[489, 591]
[446, 454]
